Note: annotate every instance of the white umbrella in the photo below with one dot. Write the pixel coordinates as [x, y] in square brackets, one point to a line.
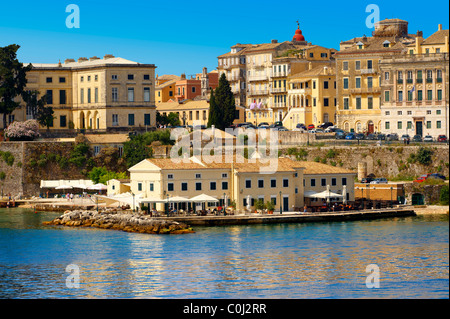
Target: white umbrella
[204, 198]
[64, 187]
[179, 199]
[344, 194]
[98, 187]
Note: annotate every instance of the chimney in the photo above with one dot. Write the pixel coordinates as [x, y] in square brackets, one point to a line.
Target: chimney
[69, 61]
[94, 58]
[419, 33]
[309, 66]
[439, 27]
[274, 41]
[183, 76]
[108, 56]
[419, 41]
[82, 59]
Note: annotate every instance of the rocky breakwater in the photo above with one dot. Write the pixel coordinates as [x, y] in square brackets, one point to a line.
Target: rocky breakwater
[119, 221]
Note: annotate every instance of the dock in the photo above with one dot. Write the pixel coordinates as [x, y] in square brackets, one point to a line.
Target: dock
[290, 217]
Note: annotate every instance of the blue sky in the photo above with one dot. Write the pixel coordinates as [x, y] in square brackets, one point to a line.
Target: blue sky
[182, 36]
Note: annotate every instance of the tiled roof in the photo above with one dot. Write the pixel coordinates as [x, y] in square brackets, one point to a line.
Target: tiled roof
[87, 64]
[314, 72]
[313, 168]
[436, 38]
[376, 44]
[106, 138]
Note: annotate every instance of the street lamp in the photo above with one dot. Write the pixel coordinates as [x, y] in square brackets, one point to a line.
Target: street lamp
[168, 205]
[132, 194]
[391, 197]
[368, 194]
[281, 210]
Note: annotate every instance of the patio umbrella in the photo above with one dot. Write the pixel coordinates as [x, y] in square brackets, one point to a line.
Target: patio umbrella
[204, 198]
[344, 194]
[98, 187]
[64, 187]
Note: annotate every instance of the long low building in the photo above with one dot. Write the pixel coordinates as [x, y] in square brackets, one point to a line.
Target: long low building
[287, 183]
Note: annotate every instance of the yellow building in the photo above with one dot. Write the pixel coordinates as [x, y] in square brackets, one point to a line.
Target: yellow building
[193, 112]
[311, 97]
[358, 74]
[165, 87]
[95, 94]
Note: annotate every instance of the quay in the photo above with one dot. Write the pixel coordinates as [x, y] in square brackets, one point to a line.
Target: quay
[290, 217]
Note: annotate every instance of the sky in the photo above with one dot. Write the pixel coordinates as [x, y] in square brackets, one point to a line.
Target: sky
[182, 36]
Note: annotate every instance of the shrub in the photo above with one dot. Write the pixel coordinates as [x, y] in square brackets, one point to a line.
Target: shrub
[444, 195]
[317, 159]
[331, 153]
[22, 131]
[424, 156]
[7, 157]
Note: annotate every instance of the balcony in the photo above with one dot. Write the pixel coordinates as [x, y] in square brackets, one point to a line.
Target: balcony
[419, 80]
[409, 81]
[429, 80]
[365, 90]
[233, 78]
[258, 92]
[279, 105]
[400, 81]
[278, 90]
[439, 80]
[280, 74]
[306, 91]
[258, 78]
[368, 71]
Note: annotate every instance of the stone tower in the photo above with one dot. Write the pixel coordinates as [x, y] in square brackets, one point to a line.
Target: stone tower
[204, 82]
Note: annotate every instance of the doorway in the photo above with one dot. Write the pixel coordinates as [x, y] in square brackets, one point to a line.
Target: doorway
[370, 128]
[286, 204]
[419, 128]
[417, 199]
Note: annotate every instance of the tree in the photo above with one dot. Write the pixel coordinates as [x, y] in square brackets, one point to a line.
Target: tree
[12, 80]
[102, 175]
[213, 111]
[43, 114]
[171, 119]
[136, 150]
[225, 104]
[444, 196]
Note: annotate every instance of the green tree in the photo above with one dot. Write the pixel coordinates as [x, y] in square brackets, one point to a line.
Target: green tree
[213, 111]
[136, 149]
[103, 175]
[45, 116]
[225, 104]
[172, 119]
[12, 80]
[424, 156]
[444, 195]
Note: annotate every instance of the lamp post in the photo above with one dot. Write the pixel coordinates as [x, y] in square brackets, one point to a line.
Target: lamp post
[168, 205]
[368, 194]
[391, 197]
[132, 194]
[281, 210]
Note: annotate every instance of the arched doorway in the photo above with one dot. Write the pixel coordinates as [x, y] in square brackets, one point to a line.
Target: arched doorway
[82, 120]
[370, 127]
[418, 199]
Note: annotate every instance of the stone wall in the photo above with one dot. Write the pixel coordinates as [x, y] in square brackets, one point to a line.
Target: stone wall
[12, 181]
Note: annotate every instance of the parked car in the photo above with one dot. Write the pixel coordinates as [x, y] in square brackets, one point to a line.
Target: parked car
[282, 128]
[360, 136]
[428, 138]
[366, 180]
[325, 125]
[381, 180]
[311, 127]
[417, 138]
[405, 137]
[381, 137]
[340, 135]
[300, 127]
[263, 124]
[350, 136]
[436, 176]
[392, 137]
[278, 123]
[243, 124]
[442, 138]
[421, 178]
[371, 136]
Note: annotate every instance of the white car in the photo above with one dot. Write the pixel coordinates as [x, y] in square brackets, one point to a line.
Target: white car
[428, 138]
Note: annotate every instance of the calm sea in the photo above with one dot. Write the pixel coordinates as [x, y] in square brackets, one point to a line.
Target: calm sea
[311, 260]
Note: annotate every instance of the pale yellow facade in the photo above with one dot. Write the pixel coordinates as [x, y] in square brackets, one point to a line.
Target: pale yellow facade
[95, 94]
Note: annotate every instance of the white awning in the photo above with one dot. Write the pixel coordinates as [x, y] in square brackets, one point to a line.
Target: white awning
[204, 198]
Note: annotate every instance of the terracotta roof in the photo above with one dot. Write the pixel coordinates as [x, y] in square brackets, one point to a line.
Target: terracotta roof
[106, 138]
[376, 44]
[167, 163]
[173, 106]
[436, 38]
[317, 71]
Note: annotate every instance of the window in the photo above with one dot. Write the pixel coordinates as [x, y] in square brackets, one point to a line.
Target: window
[89, 95]
[400, 96]
[410, 96]
[81, 78]
[184, 186]
[399, 125]
[429, 95]
[387, 113]
[273, 183]
[130, 119]
[333, 182]
[146, 94]
[438, 124]
[96, 95]
[409, 112]
[89, 78]
[325, 84]
[198, 176]
[439, 95]
[326, 102]
[130, 94]
[62, 121]
[62, 96]
[248, 183]
[358, 83]
[438, 112]
[370, 102]
[387, 126]
[323, 182]
[49, 80]
[314, 84]
[62, 79]
[198, 186]
[357, 65]
[212, 186]
[419, 95]
[152, 187]
[428, 124]
[140, 187]
[386, 75]
[193, 89]
[114, 77]
[399, 112]
[386, 96]
[345, 103]
[344, 181]
[147, 119]
[358, 103]
[428, 112]
[345, 83]
[49, 96]
[170, 187]
[345, 65]
[96, 77]
[370, 82]
[409, 125]
[224, 185]
[260, 183]
[285, 182]
[115, 119]
[130, 76]
[313, 182]
[146, 76]
[225, 175]
[115, 95]
[169, 176]
[369, 64]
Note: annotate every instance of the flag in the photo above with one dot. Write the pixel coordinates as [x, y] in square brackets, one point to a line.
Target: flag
[413, 88]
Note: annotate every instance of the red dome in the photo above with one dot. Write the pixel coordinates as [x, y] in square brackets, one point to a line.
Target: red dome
[298, 36]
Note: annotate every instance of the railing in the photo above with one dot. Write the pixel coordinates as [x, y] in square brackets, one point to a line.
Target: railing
[258, 92]
[280, 74]
[278, 90]
[258, 78]
[365, 90]
[300, 91]
[368, 71]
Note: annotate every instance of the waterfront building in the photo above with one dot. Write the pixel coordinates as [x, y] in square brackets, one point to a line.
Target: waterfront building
[358, 74]
[311, 97]
[109, 94]
[240, 182]
[414, 85]
[258, 73]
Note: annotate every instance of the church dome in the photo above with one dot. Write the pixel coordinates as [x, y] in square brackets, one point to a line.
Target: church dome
[298, 35]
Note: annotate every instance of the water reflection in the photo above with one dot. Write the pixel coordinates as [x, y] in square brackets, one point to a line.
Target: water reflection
[316, 260]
